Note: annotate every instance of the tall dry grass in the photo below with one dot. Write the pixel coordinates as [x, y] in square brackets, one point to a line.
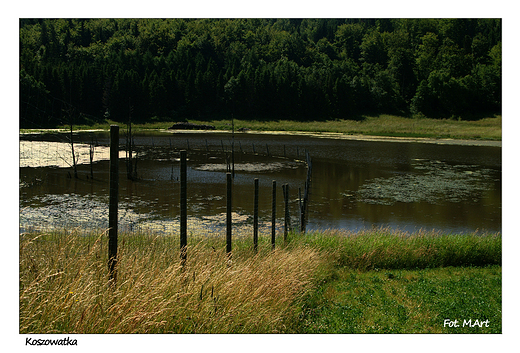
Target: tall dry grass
[64, 287]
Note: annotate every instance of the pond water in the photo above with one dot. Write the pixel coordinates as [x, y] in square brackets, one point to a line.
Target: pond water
[355, 184]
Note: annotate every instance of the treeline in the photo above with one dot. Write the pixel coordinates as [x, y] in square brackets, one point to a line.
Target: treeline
[83, 70]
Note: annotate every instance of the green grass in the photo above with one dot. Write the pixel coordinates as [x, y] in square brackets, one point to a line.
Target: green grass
[377, 281]
[383, 125]
[384, 281]
[489, 128]
[405, 301]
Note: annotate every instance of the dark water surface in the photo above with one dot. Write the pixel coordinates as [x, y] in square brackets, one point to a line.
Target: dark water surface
[355, 184]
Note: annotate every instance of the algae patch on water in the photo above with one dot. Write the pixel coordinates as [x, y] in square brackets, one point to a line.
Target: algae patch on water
[249, 167]
[433, 182]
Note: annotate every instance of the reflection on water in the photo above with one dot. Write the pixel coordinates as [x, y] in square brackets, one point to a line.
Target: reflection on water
[355, 184]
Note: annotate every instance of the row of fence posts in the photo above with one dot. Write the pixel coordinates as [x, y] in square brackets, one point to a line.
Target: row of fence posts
[113, 206]
[131, 164]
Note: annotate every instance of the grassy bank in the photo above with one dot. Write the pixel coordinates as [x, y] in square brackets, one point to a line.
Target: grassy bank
[383, 125]
[389, 282]
[376, 281]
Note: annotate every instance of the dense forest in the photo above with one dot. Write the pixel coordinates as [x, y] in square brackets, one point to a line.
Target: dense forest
[87, 70]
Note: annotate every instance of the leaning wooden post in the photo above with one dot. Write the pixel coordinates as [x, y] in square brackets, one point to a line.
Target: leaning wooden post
[184, 209]
[228, 214]
[273, 217]
[255, 217]
[113, 199]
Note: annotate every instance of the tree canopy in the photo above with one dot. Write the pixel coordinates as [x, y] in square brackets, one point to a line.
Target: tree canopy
[175, 69]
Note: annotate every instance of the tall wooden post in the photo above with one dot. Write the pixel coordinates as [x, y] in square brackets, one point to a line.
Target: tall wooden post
[73, 155]
[273, 216]
[129, 167]
[91, 154]
[255, 217]
[184, 208]
[228, 213]
[286, 213]
[113, 199]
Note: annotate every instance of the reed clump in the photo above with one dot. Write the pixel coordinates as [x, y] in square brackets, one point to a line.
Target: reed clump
[64, 286]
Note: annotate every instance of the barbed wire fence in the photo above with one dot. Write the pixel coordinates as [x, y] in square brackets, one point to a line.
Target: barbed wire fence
[64, 176]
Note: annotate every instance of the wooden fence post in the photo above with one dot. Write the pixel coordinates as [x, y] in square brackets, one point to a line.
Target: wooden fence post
[285, 188]
[273, 217]
[113, 200]
[255, 217]
[184, 208]
[91, 154]
[305, 203]
[300, 208]
[228, 214]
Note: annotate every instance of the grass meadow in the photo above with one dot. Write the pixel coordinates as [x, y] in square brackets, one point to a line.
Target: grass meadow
[488, 128]
[377, 281]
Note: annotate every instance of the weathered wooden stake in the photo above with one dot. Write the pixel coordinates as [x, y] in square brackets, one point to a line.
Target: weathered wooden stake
[135, 163]
[73, 155]
[184, 208]
[228, 214]
[129, 168]
[286, 213]
[273, 217]
[305, 203]
[233, 158]
[255, 217]
[113, 200]
[91, 153]
[300, 208]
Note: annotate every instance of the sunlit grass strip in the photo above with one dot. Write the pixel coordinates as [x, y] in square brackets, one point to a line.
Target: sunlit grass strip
[381, 125]
[64, 286]
[390, 249]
